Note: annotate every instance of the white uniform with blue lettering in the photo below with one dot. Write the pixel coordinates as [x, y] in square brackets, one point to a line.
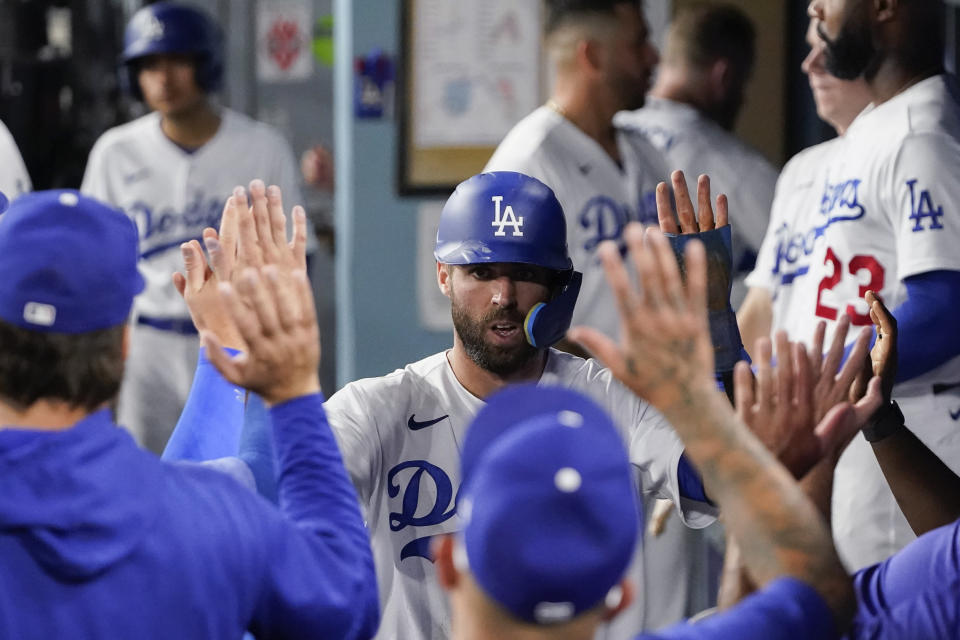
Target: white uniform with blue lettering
[598, 197]
[400, 436]
[865, 212]
[13, 174]
[696, 145]
[173, 195]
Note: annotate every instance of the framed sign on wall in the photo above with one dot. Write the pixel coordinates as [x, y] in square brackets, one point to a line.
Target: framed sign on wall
[470, 70]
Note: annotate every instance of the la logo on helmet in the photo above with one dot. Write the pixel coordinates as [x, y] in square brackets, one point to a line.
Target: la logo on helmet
[508, 219]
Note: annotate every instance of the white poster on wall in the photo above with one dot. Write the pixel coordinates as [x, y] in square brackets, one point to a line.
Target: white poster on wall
[476, 66]
[284, 35]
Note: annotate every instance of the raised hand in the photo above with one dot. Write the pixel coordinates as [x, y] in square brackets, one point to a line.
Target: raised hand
[883, 356]
[278, 323]
[784, 414]
[691, 220]
[665, 352]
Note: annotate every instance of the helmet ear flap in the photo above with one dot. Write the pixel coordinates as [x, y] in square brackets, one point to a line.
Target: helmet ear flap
[547, 323]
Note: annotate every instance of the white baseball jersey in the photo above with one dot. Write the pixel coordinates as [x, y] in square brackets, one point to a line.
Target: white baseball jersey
[865, 212]
[696, 145]
[14, 179]
[598, 197]
[173, 194]
[401, 436]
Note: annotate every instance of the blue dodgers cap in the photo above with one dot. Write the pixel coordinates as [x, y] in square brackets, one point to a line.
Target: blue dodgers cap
[68, 263]
[548, 503]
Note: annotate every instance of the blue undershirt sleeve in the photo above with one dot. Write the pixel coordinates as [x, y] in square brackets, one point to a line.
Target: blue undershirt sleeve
[690, 482]
[257, 447]
[927, 337]
[333, 592]
[785, 609]
[210, 424]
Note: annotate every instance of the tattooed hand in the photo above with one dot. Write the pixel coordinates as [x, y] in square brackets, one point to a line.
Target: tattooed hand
[665, 353]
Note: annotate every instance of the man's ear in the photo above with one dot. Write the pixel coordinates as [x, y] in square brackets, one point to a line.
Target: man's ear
[590, 54]
[619, 598]
[441, 547]
[720, 78]
[444, 273]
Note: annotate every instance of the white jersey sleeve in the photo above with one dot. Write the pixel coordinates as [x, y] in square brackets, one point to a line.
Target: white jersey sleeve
[95, 182]
[352, 413]
[14, 179]
[925, 198]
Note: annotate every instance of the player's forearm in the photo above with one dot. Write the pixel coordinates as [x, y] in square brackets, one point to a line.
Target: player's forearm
[755, 317]
[779, 529]
[926, 490]
[210, 424]
[735, 583]
[315, 493]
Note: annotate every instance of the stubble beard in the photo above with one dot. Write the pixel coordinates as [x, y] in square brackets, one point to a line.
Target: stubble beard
[501, 361]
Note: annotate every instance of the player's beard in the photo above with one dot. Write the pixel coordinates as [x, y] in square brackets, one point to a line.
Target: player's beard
[499, 360]
[850, 54]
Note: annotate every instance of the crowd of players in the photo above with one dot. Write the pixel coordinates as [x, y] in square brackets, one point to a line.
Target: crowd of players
[498, 488]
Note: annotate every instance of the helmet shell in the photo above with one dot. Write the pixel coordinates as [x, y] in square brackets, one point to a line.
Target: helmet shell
[503, 216]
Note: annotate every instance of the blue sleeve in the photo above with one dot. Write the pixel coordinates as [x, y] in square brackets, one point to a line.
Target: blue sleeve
[914, 593]
[690, 482]
[786, 609]
[927, 337]
[332, 594]
[210, 424]
[257, 449]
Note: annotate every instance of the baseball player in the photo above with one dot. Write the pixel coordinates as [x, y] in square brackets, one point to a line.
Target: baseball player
[171, 171]
[545, 465]
[882, 222]
[502, 260]
[838, 102]
[14, 178]
[691, 110]
[603, 176]
[98, 538]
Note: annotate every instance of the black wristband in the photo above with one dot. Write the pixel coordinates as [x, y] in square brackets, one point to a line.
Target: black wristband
[885, 422]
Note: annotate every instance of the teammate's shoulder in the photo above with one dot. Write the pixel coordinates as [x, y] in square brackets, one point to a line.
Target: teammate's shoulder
[134, 132]
[237, 122]
[931, 106]
[526, 140]
[812, 155]
[133, 128]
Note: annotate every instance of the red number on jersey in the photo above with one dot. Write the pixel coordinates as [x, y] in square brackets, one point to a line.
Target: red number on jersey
[857, 264]
[823, 311]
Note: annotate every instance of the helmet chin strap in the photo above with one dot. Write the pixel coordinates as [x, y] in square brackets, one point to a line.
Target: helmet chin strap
[547, 322]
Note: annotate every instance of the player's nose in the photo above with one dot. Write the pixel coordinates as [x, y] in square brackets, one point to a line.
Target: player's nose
[504, 291]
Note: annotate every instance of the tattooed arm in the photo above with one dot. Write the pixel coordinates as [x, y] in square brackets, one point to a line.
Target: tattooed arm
[666, 357]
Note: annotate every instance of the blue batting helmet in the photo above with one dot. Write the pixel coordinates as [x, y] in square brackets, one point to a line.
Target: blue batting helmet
[504, 216]
[171, 27]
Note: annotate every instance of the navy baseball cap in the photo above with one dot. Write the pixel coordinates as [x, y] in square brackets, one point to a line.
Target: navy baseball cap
[68, 263]
[548, 503]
